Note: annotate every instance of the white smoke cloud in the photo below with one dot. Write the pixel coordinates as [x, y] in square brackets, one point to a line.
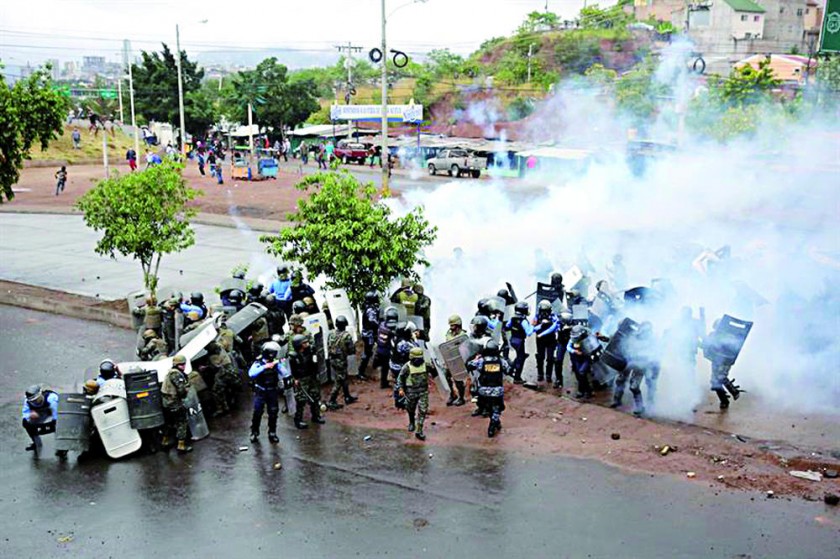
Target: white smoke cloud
[772, 198]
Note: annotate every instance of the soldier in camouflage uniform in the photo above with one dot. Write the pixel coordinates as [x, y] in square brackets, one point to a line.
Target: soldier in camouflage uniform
[423, 309]
[305, 374]
[153, 347]
[341, 347]
[296, 327]
[175, 387]
[230, 342]
[259, 335]
[456, 387]
[227, 382]
[413, 385]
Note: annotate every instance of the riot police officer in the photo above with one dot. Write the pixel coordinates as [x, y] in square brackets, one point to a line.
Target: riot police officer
[580, 360]
[423, 309]
[174, 390]
[457, 388]
[519, 329]
[153, 346]
[235, 299]
[255, 293]
[370, 324]
[304, 369]
[107, 371]
[412, 384]
[545, 325]
[491, 391]
[226, 380]
[384, 338]
[274, 316]
[341, 347]
[281, 288]
[266, 375]
[299, 288]
[197, 300]
[564, 332]
[400, 349]
[40, 414]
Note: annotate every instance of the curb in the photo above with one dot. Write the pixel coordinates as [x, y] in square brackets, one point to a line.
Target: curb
[54, 305]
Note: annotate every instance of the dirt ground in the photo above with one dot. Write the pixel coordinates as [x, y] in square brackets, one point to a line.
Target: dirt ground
[270, 199]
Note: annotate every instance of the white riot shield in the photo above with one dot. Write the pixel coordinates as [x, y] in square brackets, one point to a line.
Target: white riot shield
[195, 415]
[417, 320]
[572, 278]
[339, 304]
[113, 423]
[442, 384]
[317, 324]
[198, 340]
[450, 354]
[136, 299]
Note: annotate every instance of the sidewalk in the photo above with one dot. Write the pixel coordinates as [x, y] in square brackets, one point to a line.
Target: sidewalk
[57, 252]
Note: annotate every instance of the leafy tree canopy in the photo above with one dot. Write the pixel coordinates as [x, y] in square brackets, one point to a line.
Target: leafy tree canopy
[344, 233]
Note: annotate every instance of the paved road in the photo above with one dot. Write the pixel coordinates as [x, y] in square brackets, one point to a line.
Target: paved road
[337, 496]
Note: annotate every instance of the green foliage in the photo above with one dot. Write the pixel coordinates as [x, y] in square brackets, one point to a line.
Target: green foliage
[520, 108]
[142, 215]
[747, 85]
[575, 51]
[156, 89]
[31, 111]
[344, 233]
[275, 100]
[593, 17]
[637, 93]
[601, 76]
[538, 21]
[828, 81]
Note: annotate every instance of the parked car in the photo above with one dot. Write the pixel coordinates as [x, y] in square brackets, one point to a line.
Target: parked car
[351, 151]
[457, 162]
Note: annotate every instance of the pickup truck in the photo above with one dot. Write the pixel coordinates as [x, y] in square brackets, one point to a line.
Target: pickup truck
[457, 162]
[351, 151]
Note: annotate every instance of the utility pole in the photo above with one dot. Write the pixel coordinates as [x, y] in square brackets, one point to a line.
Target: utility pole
[349, 48]
[386, 191]
[183, 134]
[127, 55]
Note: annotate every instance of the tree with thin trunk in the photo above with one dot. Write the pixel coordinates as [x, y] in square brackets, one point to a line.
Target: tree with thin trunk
[143, 216]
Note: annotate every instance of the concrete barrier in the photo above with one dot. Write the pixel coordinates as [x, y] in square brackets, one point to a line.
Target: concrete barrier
[56, 306]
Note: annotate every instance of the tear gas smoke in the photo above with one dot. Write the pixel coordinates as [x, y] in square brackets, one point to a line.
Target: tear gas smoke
[773, 199]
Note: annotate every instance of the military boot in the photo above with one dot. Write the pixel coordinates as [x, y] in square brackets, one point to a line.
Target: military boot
[411, 425]
[273, 438]
[733, 388]
[540, 372]
[461, 389]
[349, 399]
[452, 399]
[491, 429]
[166, 442]
[638, 404]
[616, 401]
[183, 448]
[419, 435]
[299, 423]
[722, 396]
[332, 405]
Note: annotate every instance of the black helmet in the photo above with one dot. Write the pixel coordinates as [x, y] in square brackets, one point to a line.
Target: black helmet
[544, 306]
[197, 298]
[236, 296]
[483, 307]
[239, 275]
[493, 306]
[270, 351]
[491, 349]
[107, 369]
[256, 290]
[521, 308]
[371, 298]
[556, 279]
[504, 294]
[298, 307]
[341, 322]
[33, 393]
[479, 325]
[282, 270]
[391, 315]
[297, 342]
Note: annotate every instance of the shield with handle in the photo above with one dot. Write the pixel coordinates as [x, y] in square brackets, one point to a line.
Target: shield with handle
[450, 354]
[339, 305]
[195, 415]
[724, 344]
[72, 430]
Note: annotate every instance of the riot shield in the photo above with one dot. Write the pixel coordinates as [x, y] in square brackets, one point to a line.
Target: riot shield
[316, 324]
[512, 292]
[450, 354]
[615, 354]
[195, 415]
[145, 408]
[114, 426]
[339, 304]
[194, 341]
[442, 383]
[179, 327]
[572, 279]
[470, 347]
[247, 316]
[110, 389]
[230, 284]
[417, 320]
[160, 367]
[580, 314]
[72, 430]
[135, 300]
[549, 292]
[724, 344]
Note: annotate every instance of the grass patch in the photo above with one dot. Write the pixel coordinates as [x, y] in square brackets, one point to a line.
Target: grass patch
[61, 149]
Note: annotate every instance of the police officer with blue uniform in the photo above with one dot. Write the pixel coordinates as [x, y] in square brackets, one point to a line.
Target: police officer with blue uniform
[370, 325]
[266, 375]
[39, 414]
[519, 328]
[545, 326]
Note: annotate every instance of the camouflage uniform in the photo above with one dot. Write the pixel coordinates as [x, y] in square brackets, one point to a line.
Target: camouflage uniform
[154, 347]
[341, 347]
[175, 387]
[304, 370]
[259, 335]
[413, 380]
[227, 382]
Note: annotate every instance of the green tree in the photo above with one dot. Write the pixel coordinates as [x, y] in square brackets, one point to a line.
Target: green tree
[344, 233]
[748, 85]
[594, 17]
[143, 216]
[30, 111]
[275, 100]
[638, 94]
[538, 21]
[156, 89]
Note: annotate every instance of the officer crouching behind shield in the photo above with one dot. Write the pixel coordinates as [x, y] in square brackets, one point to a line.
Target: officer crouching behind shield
[40, 413]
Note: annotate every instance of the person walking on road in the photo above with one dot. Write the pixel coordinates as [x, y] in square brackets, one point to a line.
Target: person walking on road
[131, 157]
[61, 179]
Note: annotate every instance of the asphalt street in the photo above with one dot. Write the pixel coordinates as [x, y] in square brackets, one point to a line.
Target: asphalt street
[338, 495]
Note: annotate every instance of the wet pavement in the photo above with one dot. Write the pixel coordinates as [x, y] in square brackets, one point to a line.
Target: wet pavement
[338, 495]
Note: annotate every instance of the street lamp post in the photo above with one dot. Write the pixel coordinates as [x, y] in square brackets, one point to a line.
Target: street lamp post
[183, 134]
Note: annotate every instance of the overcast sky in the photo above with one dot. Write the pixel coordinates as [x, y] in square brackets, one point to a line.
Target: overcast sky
[36, 30]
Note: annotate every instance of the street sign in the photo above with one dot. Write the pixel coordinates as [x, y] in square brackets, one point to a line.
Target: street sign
[830, 36]
[401, 113]
[108, 93]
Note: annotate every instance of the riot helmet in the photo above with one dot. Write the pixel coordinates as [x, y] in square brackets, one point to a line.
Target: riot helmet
[493, 307]
[419, 289]
[35, 395]
[504, 294]
[479, 326]
[240, 275]
[149, 334]
[296, 320]
[235, 297]
[341, 323]
[179, 361]
[490, 349]
[270, 351]
[371, 298]
[416, 356]
[283, 272]
[566, 316]
[300, 343]
[556, 279]
[455, 320]
[107, 369]
[213, 348]
[197, 298]
[391, 316]
[521, 308]
[579, 333]
[483, 307]
[298, 307]
[544, 307]
[309, 302]
[255, 291]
